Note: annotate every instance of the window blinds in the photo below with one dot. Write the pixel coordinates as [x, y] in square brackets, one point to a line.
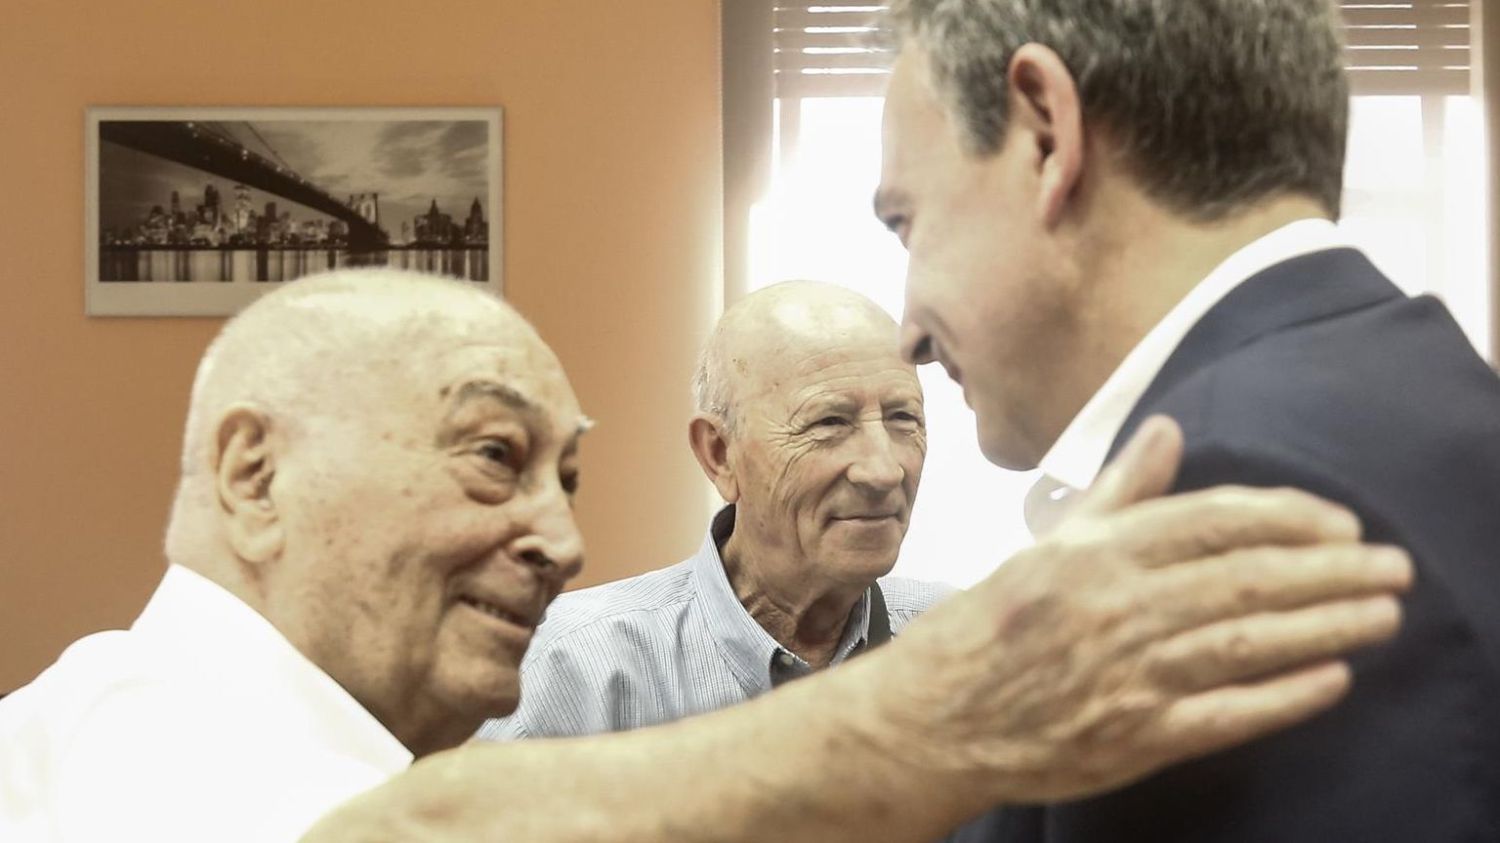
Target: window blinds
[829, 48]
[1417, 47]
[832, 48]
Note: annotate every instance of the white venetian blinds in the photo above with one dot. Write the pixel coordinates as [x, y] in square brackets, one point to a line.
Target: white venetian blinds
[832, 48]
[1415, 47]
[829, 48]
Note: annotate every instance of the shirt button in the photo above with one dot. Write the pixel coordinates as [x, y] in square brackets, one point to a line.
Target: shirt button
[785, 659]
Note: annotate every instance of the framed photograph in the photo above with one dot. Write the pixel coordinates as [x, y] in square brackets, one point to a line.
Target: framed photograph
[198, 211]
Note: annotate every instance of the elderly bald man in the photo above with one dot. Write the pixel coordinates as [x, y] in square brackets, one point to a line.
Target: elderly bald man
[810, 427]
[376, 506]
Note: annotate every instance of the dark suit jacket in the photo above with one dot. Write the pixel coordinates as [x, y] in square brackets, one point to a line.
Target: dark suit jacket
[1319, 373]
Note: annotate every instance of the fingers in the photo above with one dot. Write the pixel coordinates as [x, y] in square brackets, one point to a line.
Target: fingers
[1145, 468]
[1218, 520]
[1270, 579]
[1225, 717]
[1268, 643]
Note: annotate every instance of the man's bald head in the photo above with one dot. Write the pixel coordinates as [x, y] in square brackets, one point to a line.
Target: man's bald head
[387, 458]
[775, 325]
[811, 424]
[308, 347]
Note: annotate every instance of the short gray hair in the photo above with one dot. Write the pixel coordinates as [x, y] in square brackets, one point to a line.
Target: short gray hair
[711, 391]
[1216, 103]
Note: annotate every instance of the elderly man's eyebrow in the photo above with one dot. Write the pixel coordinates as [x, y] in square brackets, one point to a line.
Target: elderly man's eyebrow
[823, 405]
[494, 391]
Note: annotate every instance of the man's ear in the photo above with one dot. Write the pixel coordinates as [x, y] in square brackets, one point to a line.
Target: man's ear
[710, 444]
[1044, 105]
[244, 464]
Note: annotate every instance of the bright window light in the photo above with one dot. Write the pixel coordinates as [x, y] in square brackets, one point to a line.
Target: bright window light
[817, 223]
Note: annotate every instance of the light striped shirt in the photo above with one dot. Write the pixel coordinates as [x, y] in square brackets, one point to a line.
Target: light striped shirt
[665, 645]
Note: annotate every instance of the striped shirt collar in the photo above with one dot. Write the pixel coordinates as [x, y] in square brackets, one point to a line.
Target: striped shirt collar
[744, 644]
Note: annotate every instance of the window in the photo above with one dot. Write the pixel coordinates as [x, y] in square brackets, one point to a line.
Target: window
[1414, 185]
[810, 108]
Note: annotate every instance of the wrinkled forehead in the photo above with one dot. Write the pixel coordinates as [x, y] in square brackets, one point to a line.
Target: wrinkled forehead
[796, 331]
[497, 355]
[857, 356]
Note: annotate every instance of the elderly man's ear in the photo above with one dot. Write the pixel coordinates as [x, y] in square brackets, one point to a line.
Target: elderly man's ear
[244, 466]
[710, 445]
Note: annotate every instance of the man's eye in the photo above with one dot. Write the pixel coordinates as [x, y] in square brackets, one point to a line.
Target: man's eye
[830, 421]
[497, 452]
[570, 482]
[907, 418]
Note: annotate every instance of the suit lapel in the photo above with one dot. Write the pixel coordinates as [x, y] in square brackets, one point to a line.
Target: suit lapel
[1305, 289]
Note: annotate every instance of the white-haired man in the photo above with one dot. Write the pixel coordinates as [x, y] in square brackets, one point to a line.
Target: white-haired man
[810, 426]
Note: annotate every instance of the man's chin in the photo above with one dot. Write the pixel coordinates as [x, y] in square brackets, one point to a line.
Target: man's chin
[507, 707]
[486, 697]
[1005, 449]
[855, 564]
[504, 701]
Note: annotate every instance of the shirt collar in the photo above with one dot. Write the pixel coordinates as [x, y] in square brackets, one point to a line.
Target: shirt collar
[218, 635]
[1078, 455]
[744, 644]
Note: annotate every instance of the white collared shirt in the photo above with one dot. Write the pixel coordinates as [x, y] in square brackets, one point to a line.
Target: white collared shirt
[199, 723]
[1077, 456]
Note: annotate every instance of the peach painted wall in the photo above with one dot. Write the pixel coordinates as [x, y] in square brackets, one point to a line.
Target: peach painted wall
[612, 238]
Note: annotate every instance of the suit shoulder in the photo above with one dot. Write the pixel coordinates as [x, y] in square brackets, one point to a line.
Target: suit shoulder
[1352, 381]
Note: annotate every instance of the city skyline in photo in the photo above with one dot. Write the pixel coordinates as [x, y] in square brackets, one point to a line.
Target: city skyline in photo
[393, 172]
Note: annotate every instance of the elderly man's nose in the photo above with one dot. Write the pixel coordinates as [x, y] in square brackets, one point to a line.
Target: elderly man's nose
[553, 544]
[876, 466]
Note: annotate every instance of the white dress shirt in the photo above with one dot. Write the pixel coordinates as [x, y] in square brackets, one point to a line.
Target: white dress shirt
[1077, 456]
[199, 723]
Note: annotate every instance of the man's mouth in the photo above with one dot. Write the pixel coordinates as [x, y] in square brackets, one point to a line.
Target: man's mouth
[954, 373]
[495, 611]
[868, 517]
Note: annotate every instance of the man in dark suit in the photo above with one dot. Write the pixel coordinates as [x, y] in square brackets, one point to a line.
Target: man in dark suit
[1121, 208]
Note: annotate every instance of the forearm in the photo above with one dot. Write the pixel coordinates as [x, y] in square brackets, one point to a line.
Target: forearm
[815, 761]
[1142, 633]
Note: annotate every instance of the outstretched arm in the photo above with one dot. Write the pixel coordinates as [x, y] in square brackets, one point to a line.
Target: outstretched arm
[1142, 632]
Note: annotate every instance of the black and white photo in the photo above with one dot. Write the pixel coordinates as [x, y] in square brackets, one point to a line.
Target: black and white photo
[197, 211]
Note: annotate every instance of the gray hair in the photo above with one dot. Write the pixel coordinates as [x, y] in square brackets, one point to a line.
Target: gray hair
[711, 391]
[1216, 103]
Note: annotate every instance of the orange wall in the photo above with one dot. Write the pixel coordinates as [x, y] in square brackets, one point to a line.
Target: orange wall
[612, 236]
